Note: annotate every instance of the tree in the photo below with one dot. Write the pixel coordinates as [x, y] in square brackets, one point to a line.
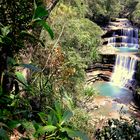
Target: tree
[17, 31]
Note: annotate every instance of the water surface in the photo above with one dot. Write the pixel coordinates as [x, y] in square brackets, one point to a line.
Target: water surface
[108, 89]
[127, 49]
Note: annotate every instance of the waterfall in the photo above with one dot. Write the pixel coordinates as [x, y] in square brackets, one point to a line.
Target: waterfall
[125, 37]
[112, 41]
[124, 70]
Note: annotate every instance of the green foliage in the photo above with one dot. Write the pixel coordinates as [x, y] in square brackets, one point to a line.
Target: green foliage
[129, 7]
[104, 10]
[79, 33]
[15, 31]
[118, 130]
[89, 91]
[135, 16]
[14, 37]
[56, 122]
[81, 121]
[44, 24]
[54, 125]
[82, 37]
[3, 134]
[66, 73]
[81, 7]
[21, 78]
[75, 68]
[38, 105]
[63, 60]
[39, 12]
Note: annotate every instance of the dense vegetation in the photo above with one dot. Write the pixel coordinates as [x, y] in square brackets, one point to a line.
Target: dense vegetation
[45, 47]
[104, 10]
[118, 130]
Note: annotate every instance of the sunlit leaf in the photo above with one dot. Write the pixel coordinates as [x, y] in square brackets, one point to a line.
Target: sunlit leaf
[58, 109]
[50, 122]
[21, 78]
[42, 116]
[48, 128]
[5, 30]
[68, 101]
[66, 116]
[35, 6]
[40, 12]
[44, 24]
[72, 133]
[28, 126]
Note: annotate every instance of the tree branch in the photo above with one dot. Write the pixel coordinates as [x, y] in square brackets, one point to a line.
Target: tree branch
[52, 5]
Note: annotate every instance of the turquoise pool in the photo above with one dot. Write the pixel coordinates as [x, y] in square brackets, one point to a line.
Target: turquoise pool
[128, 49]
[108, 89]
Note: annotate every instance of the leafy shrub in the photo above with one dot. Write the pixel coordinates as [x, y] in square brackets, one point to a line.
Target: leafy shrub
[103, 10]
[89, 90]
[135, 14]
[76, 32]
[75, 44]
[22, 106]
[80, 120]
[119, 130]
[63, 73]
[82, 38]
[54, 125]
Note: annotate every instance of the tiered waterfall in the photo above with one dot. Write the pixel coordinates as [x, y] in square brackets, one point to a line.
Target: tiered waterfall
[124, 35]
[125, 65]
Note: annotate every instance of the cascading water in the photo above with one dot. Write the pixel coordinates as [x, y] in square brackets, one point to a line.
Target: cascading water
[129, 37]
[124, 71]
[112, 40]
[126, 37]
[122, 39]
[131, 32]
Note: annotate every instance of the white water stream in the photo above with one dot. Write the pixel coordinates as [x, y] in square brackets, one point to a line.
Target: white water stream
[125, 65]
[124, 70]
[128, 38]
